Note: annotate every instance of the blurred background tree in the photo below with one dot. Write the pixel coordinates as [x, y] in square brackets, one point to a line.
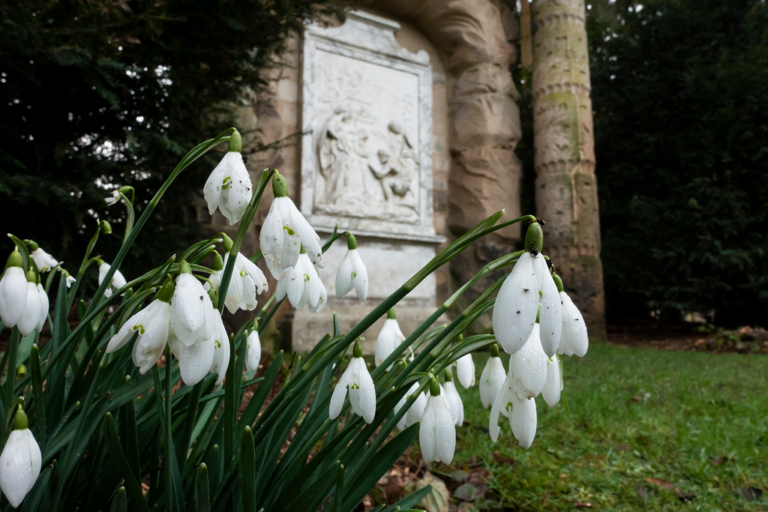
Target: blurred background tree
[680, 94]
[104, 93]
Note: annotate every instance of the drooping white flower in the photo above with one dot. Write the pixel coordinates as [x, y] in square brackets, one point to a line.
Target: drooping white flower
[246, 282]
[253, 354]
[551, 317]
[437, 432]
[192, 313]
[303, 286]
[20, 462]
[453, 399]
[118, 281]
[574, 340]
[33, 309]
[521, 413]
[352, 273]
[465, 370]
[221, 350]
[362, 392]
[70, 281]
[153, 323]
[416, 410]
[514, 313]
[44, 261]
[389, 338]
[554, 384]
[13, 291]
[229, 186]
[113, 198]
[492, 377]
[529, 366]
[284, 231]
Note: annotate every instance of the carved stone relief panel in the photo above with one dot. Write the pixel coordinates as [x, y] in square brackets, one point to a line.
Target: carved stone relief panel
[366, 159]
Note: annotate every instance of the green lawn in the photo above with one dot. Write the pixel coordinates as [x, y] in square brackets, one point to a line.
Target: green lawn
[698, 422]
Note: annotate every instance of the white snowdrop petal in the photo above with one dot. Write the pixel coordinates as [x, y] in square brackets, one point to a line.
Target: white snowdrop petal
[491, 380]
[344, 277]
[296, 284]
[307, 234]
[523, 421]
[445, 431]
[45, 306]
[221, 349]
[13, 289]
[253, 354]
[551, 318]
[574, 337]
[271, 241]
[359, 276]
[188, 301]
[529, 366]
[195, 361]
[338, 396]
[465, 370]
[31, 315]
[213, 185]
[20, 464]
[517, 304]
[553, 385]
[427, 433]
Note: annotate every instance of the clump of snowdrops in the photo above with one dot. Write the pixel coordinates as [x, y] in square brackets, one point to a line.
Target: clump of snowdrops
[141, 405]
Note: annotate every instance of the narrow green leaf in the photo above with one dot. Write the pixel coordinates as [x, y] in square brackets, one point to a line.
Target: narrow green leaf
[39, 395]
[120, 502]
[40, 492]
[118, 457]
[202, 490]
[248, 470]
[313, 495]
[409, 501]
[257, 400]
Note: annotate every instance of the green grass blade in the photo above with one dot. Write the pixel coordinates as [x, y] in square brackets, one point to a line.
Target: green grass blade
[120, 502]
[39, 395]
[118, 457]
[248, 470]
[202, 490]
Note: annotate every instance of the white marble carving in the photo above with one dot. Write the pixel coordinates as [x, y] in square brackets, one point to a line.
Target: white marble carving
[367, 117]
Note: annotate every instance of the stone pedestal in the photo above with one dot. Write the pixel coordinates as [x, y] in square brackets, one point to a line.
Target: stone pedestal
[366, 166]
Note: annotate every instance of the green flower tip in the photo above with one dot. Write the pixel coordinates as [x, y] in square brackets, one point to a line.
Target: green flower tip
[20, 421]
[31, 245]
[358, 350]
[351, 241]
[279, 185]
[106, 227]
[235, 142]
[184, 267]
[218, 262]
[166, 292]
[14, 260]
[21, 371]
[302, 249]
[494, 350]
[538, 314]
[448, 375]
[434, 387]
[558, 282]
[461, 337]
[228, 243]
[391, 314]
[534, 237]
[214, 296]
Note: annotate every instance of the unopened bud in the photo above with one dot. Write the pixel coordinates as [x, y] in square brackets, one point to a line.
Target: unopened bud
[214, 296]
[351, 241]
[534, 237]
[218, 262]
[21, 371]
[228, 243]
[106, 227]
[235, 142]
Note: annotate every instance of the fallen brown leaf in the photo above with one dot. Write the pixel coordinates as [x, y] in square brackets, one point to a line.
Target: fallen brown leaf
[660, 482]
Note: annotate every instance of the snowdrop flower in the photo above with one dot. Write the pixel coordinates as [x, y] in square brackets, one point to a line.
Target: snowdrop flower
[229, 186]
[322, 299]
[492, 377]
[20, 461]
[118, 281]
[284, 231]
[13, 291]
[517, 303]
[221, 349]
[352, 273]
[114, 198]
[70, 280]
[362, 392]
[521, 413]
[416, 410]
[247, 281]
[302, 285]
[153, 325]
[574, 340]
[253, 354]
[36, 307]
[437, 432]
[44, 261]
[529, 366]
[453, 399]
[554, 383]
[389, 338]
[551, 317]
[465, 370]
[192, 313]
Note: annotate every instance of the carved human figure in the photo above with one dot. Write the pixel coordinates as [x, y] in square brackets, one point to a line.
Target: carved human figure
[342, 158]
[395, 165]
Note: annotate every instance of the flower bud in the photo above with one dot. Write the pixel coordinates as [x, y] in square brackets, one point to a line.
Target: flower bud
[31, 245]
[534, 237]
[279, 185]
[351, 241]
[106, 227]
[21, 371]
[228, 243]
[214, 296]
[448, 375]
[235, 142]
[218, 262]
[166, 292]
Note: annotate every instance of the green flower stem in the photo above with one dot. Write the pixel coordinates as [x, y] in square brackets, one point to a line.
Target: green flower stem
[167, 430]
[83, 267]
[182, 447]
[10, 374]
[70, 456]
[131, 215]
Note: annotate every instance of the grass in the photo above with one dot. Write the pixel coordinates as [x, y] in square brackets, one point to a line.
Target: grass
[695, 422]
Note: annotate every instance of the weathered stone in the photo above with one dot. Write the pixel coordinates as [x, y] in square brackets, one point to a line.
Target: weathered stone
[566, 187]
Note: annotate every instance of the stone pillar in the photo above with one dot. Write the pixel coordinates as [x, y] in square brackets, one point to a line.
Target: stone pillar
[566, 186]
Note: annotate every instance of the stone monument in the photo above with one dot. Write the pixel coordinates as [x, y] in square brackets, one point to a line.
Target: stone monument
[366, 166]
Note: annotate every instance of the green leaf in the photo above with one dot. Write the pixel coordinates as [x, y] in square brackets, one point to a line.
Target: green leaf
[409, 501]
[120, 502]
[202, 490]
[39, 396]
[311, 497]
[248, 470]
[118, 457]
[257, 400]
